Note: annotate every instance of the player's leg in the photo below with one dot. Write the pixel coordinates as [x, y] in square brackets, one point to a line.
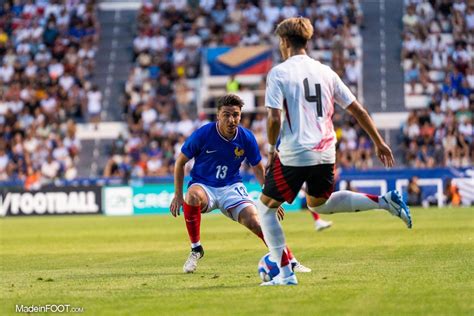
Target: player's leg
[348, 201]
[342, 202]
[195, 201]
[248, 217]
[321, 199]
[236, 204]
[319, 223]
[281, 184]
[275, 239]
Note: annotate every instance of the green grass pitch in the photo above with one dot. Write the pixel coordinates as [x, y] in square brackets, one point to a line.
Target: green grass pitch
[367, 264]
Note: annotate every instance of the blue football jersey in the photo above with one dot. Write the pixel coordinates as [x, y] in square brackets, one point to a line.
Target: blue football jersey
[217, 160]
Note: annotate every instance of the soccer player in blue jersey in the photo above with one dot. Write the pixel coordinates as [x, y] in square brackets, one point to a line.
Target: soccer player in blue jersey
[218, 149]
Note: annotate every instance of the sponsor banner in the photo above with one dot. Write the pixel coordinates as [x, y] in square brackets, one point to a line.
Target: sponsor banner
[156, 199]
[117, 201]
[51, 201]
[152, 199]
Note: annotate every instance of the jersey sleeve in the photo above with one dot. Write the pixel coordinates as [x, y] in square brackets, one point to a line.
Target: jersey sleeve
[192, 147]
[274, 91]
[342, 95]
[253, 153]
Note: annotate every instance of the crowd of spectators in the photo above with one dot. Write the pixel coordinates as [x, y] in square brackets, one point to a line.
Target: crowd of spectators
[47, 53]
[438, 39]
[159, 101]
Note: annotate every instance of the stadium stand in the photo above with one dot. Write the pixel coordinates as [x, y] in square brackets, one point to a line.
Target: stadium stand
[171, 90]
[437, 57]
[47, 51]
[172, 85]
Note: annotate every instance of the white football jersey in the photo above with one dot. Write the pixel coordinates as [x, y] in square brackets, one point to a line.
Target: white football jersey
[305, 90]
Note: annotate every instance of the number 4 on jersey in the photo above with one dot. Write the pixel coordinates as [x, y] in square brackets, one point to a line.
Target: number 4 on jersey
[314, 98]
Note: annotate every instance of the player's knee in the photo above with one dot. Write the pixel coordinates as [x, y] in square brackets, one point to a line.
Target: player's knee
[193, 198]
[319, 209]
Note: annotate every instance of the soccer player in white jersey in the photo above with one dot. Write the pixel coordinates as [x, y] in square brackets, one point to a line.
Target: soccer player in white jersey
[219, 148]
[300, 97]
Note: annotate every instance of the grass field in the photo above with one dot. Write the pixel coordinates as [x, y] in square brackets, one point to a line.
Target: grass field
[367, 264]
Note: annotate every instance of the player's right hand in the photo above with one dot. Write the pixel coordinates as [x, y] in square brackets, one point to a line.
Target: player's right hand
[385, 155]
[176, 204]
[280, 213]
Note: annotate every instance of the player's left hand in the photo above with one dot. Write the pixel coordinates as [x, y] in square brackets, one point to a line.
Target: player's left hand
[271, 160]
[176, 204]
[280, 213]
[385, 155]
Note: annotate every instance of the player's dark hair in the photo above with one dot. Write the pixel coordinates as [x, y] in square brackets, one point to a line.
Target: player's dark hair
[298, 31]
[229, 100]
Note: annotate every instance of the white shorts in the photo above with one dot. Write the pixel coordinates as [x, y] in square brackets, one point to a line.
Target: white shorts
[230, 200]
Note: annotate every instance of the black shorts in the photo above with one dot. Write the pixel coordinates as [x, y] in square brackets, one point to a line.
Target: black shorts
[282, 183]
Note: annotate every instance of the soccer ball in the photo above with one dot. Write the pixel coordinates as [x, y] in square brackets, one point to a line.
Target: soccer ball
[267, 269]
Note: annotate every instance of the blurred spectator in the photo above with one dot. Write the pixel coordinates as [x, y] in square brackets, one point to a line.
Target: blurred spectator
[94, 105]
[50, 168]
[154, 166]
[414, 192]
[4, 162]
[352, 72]
[32, 180]
[232, 85]
[451, 193]
[350, 187]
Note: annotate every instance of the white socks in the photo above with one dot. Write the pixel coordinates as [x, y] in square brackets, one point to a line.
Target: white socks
[273, 235]
[348, 201]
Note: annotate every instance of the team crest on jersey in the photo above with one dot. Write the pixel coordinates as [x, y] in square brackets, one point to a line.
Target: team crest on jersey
[238, 152]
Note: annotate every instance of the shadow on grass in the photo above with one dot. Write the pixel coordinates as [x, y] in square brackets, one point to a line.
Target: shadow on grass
[220, 286]
[92, 275]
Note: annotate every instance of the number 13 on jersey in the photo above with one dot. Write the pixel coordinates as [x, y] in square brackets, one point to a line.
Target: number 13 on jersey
[221, 172]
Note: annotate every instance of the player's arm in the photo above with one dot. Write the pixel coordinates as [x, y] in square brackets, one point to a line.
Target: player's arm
[362, 116]
[178, 199]
[259, 172]
[274, 104]
[273, 130]
[273, 125]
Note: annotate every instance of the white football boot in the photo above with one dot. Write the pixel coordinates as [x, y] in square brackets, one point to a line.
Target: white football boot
[278, 280]
[298, 267]
[191, 263]
[321, 225]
